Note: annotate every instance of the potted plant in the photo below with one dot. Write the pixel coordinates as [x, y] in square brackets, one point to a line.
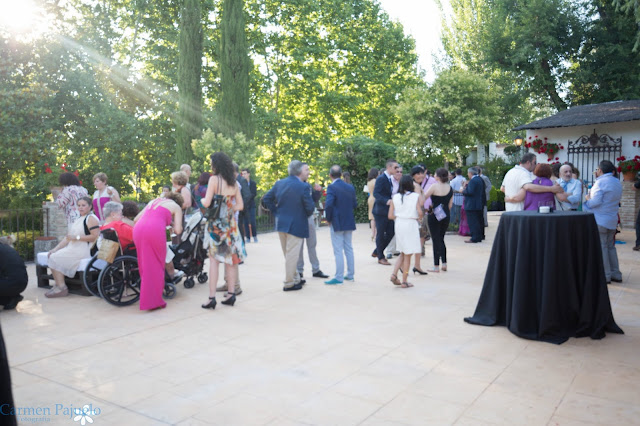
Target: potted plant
[628, 167]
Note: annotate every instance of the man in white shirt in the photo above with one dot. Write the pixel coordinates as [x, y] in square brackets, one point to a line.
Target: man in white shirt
[520, 177]
[458, 198]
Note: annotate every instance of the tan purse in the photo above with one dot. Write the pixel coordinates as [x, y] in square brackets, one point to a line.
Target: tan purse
[108, 250]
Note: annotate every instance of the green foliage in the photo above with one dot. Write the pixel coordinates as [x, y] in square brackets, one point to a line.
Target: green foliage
[495, 169]
[607, 69]
[189, 71]
[357, 155]
[450, 117]
[241, 150]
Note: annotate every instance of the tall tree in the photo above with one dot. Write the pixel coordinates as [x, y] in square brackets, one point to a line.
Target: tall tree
[233, 112]
[535, 41]
[454, 114]
[189, 71]
[608, 68]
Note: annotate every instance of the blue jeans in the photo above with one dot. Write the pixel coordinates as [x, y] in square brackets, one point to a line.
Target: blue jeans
[250, 219]
[341, 241]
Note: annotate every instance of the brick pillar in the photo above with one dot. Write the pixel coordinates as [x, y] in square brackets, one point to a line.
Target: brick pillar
[629, 205]
[55, 222]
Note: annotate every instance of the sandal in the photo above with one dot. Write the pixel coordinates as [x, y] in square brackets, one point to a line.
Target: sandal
[395, 280]
[436, 270]
[406, 285]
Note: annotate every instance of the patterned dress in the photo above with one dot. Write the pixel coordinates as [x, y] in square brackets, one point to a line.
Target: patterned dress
[226, 242]
[67, 201]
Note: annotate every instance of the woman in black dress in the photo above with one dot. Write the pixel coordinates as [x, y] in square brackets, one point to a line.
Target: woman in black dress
[442, 198]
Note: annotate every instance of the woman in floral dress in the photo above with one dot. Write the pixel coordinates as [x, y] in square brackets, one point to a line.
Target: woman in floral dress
[68, 199]
[226, 243]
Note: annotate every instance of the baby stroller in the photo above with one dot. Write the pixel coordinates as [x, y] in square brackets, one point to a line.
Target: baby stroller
[191, 252]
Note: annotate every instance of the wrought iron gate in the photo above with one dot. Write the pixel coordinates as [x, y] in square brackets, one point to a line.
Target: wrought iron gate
[587, 151]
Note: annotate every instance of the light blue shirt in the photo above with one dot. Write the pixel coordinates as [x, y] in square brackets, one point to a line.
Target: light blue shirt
[573, 187]
[605, 200]
[456, 184]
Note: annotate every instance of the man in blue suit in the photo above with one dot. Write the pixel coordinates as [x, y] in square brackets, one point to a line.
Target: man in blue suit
[341, 201]
[290, 201]
[474, 201]
[382, 193]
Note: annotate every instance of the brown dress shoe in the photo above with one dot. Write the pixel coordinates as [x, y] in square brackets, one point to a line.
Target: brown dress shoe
[383, 262]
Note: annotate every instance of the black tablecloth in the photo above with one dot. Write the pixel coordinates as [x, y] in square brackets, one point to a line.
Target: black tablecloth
[545, 279]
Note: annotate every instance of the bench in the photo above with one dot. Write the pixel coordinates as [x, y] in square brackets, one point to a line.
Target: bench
[75, 284]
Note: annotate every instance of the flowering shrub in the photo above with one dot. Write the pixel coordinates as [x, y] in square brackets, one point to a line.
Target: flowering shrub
[543, 146]
[51, 179]
[630, 165]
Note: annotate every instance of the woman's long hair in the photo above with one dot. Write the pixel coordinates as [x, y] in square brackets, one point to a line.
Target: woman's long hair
[406, 186]
[373, 174]
[222, 166]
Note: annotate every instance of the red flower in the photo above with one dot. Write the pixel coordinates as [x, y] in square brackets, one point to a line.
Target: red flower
[557, 158]
[622, 158]
[634, 143]
[48, 170]
[77, 173]
[536, 136]
[545, 139]
[619, 169]
[46, 164]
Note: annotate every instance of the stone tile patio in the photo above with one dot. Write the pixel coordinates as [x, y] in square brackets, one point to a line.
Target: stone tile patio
[359, 353]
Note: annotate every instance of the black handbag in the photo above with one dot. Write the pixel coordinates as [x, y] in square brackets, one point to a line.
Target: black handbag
[213, 212]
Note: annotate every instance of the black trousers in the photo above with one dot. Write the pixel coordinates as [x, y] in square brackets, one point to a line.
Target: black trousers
[438, 229]
[10, 289]
[385, 232]
[476, 225]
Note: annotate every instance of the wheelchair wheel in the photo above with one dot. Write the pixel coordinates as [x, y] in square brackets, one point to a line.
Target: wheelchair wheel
[169, 291]
[203, 278]
[189, 283]
[92, 274]
[119, 283]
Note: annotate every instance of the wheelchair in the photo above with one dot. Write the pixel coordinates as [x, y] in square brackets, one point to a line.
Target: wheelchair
[119, 281]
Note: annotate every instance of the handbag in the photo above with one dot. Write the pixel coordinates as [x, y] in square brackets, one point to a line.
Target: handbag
[213, 212]
[439, 212]
[108, 250]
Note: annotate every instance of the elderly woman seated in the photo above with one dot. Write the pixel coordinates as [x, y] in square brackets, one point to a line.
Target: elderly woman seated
[66, 256]
[114, 220]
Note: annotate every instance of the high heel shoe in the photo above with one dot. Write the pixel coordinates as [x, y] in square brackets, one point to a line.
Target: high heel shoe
[212, 303]
[418, 271]
[229, 300]
[395, 280]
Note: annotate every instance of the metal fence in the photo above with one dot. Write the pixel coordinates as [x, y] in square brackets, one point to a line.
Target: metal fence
[265, 222]
[25, 225]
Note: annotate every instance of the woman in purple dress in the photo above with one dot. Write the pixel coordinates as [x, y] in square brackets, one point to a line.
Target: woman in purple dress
[464, 225]
[533, 200]
[150, 238]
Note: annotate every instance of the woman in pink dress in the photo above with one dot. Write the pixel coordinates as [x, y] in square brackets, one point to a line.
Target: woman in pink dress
[464, 226]
[103, 195]
[150, 238]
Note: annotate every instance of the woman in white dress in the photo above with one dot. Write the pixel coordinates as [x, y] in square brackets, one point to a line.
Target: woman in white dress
[406, 210]
[66, 256]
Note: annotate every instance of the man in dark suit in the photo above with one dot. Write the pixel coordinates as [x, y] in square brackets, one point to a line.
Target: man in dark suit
[474, 201]
[382, 194]
[341, 201]
[250, 228]
[290, 201]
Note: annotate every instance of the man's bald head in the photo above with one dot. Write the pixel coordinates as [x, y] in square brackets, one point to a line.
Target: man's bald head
[566, 173]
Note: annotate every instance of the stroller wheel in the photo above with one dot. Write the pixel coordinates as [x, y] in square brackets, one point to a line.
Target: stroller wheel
[169, 291]
[189, 283]
[203, 278]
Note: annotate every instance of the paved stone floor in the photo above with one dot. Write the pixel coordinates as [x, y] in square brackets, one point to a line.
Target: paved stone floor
[359, 353]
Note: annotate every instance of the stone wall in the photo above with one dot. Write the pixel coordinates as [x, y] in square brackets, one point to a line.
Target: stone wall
[629, 205]
[55, 222]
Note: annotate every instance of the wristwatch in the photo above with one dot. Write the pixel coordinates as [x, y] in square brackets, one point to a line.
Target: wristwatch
[78, 237]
